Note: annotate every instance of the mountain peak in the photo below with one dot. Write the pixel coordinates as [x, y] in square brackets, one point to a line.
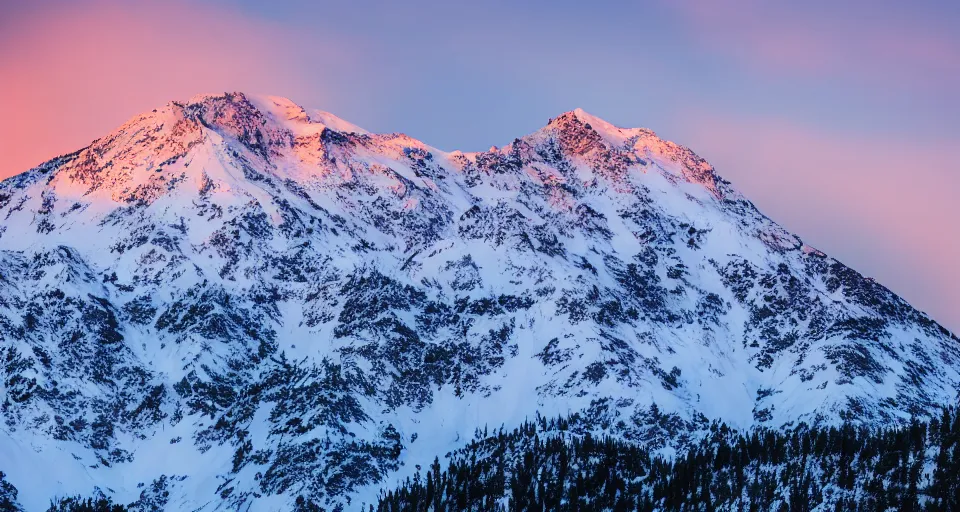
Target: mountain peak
[304, 144]
[296, 117]
[285, 304]
[204, 97]
[278, 110]
[610, 133]
[142, 159]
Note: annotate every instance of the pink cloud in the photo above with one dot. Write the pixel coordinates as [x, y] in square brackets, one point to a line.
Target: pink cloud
[75, 73]
[872, 43]
[883, 205]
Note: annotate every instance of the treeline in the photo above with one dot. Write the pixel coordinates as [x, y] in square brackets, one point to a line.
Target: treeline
[542, 466]
[77, 504]
[545, 466]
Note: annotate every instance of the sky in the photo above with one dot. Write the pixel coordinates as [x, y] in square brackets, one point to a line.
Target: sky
[840, 120]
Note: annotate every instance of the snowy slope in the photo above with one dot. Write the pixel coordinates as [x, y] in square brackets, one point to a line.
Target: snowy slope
[234, 301]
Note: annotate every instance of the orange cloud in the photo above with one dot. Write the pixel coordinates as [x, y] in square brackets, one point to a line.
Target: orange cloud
[884, 206]
[74, 73]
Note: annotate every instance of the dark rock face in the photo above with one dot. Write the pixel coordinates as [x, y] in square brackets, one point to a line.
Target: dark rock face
[289, 306]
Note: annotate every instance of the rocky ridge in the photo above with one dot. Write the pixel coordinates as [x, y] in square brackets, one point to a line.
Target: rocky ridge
[235, 301]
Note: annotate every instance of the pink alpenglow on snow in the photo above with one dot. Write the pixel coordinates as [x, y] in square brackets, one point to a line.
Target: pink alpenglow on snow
[851, 103]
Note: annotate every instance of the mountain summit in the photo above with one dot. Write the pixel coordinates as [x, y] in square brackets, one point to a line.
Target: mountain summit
[235, 302]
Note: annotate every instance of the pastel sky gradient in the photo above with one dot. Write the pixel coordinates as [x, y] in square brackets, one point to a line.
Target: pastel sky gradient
[841, 120]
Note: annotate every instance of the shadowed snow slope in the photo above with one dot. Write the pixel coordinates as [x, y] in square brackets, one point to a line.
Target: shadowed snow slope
[235, 301]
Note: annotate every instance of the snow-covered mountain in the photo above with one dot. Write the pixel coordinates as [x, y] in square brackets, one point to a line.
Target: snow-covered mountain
[234, 301]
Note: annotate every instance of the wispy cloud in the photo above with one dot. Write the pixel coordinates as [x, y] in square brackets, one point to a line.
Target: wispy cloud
[867, 43]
